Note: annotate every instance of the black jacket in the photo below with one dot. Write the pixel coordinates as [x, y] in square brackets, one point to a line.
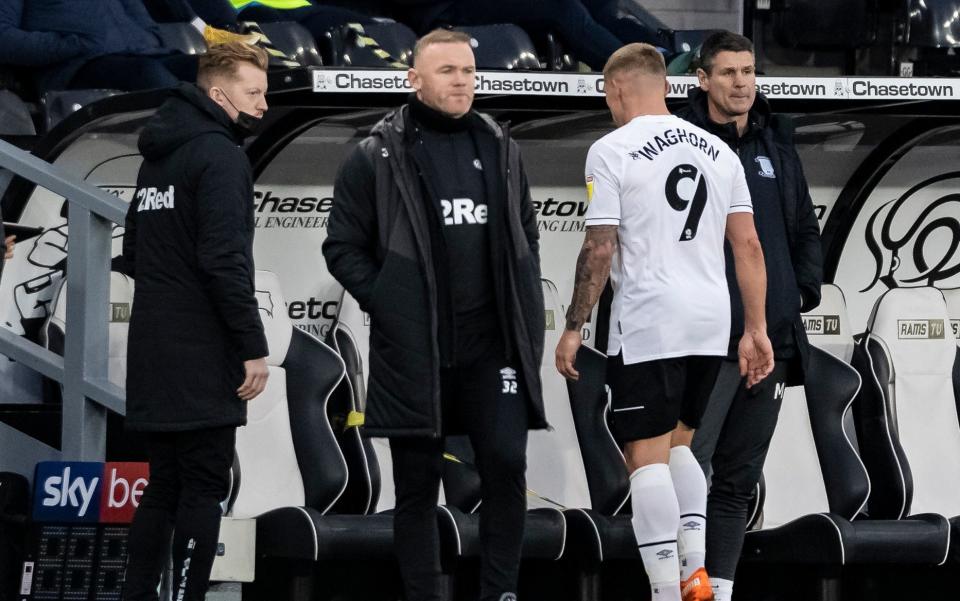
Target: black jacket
[189, 245]
[379, 247]
[773, 137]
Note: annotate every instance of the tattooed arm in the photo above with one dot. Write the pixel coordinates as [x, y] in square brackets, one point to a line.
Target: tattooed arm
[593, 269]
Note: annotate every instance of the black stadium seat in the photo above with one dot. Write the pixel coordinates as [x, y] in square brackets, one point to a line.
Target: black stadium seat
[906, 413]
[292, 471]
[545, 531]
[294, 40]
[345, 411]
[603, 532]
[814, 456]
[502, 46]
[60, 104]
[15, 119]
[366, 47]
[556, 57]
[836, 535]
[183, 37]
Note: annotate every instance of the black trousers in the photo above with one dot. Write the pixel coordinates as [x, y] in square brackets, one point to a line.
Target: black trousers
[490, 407]
[189, 477]
[732, 442]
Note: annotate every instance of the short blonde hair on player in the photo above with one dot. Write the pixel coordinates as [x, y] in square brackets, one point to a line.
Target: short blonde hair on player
[642, 58]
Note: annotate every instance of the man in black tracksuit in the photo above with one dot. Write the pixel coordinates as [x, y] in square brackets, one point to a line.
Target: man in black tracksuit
[196, 345]
[736, 429]
[434, 233]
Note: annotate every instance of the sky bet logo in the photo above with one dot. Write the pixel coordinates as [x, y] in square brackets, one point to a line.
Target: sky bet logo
[88, 492]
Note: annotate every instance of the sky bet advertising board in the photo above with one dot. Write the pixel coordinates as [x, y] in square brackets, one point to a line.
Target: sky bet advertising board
[88, 492]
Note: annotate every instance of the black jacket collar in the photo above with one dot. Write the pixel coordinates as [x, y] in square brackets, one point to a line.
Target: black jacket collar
[431, 118]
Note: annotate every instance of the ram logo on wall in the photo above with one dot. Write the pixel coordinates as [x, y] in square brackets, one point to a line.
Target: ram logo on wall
[907, 234]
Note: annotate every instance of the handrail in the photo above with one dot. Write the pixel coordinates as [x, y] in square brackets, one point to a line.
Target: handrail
[83, 368]
[52, 178]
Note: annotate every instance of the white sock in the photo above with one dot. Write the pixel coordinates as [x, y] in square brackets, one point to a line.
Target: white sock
[656, 516]
[722, 589]
[691, 487]
[198, 24]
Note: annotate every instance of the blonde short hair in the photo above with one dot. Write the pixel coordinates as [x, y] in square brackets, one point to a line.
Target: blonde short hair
[222, 60]
[439, 36]
[635, 57]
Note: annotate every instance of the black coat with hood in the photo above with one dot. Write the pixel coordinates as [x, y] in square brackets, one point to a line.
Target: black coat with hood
[189, 245]
[379, 247]
[771, 136]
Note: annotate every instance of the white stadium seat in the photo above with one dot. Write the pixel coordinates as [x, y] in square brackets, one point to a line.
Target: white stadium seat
[818, 488]
[121, 300]
[906, 414]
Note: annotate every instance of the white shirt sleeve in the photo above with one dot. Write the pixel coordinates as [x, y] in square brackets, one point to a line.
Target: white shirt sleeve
[603, 186]
[740, 201]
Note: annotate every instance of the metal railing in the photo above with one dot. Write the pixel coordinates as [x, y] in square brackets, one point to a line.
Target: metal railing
[82, 370]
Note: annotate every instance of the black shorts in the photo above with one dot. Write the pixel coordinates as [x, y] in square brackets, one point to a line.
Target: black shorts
[649, 398]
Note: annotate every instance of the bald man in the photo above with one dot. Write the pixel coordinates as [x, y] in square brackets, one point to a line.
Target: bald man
[663, 195]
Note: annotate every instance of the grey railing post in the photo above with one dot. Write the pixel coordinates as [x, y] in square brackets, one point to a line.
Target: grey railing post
[86, 350]
[83, 371]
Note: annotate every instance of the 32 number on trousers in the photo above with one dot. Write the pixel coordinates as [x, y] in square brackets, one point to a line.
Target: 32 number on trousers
[509, 387]
[676, 181]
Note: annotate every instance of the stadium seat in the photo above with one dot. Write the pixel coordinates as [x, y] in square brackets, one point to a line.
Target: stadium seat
[555, 56]
[818, 488]
[292, 472]
[545, 531]
[294, 40]
[345, 411]
[15, 119]
[502, 46]
[352, 318]
[555, 467]
[815, 25]
[906, 412]
[829, 487]
[54, 331]
[932, 24]
[373, 44]
[687, 40]
[121, 445]
[60, 104]
[183, 37]
[603, 532]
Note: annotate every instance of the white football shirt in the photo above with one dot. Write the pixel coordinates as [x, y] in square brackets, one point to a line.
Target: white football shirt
[669, 186]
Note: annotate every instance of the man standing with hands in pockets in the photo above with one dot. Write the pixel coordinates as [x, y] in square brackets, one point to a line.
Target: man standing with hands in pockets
[433, 232]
